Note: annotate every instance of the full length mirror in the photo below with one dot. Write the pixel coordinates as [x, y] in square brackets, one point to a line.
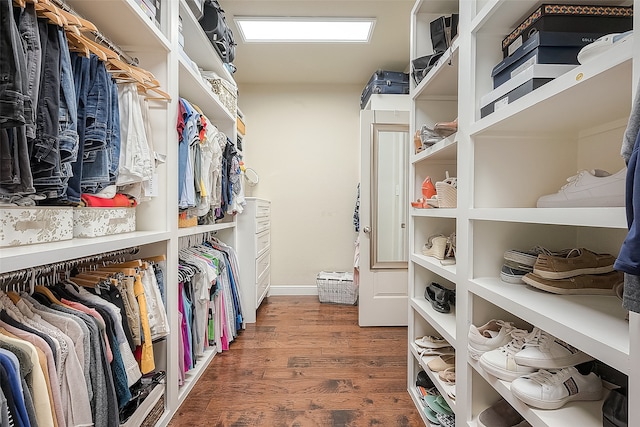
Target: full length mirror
[389, 196]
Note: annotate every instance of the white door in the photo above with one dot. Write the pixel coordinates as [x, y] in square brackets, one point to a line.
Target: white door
[383, 240]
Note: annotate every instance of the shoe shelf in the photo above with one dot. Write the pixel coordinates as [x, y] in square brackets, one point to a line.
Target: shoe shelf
[614, 218]
[432, 264]
[445, 150]
[418, 402]
[577, 413]
[440, 385]
[593, 323]
[443, 323]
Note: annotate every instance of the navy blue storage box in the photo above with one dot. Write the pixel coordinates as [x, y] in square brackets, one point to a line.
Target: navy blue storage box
[542, 48]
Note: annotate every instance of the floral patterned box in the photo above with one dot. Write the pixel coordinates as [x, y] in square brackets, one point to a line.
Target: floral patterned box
[94, 222]
[29, 225]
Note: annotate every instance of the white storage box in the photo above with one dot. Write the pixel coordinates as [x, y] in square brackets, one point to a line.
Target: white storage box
[26, 226]
[337, 287]
[94, 222]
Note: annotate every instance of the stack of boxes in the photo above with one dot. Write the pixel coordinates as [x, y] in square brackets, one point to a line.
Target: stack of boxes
[545, 45]
[151, 8]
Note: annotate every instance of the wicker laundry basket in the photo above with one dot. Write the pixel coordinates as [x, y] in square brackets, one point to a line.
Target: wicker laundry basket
[337, 287]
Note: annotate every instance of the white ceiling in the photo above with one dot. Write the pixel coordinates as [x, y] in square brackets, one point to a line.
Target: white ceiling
[336, 63]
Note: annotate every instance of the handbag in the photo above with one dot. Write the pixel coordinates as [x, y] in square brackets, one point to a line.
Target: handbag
[443, 30]
[215, 26]
[421, 66]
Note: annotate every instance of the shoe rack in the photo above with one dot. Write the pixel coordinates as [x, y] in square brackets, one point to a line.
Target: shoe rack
[503, 163]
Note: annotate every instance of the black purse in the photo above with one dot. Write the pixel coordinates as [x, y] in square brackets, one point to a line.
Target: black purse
[215, 27]
[443, 30]
[421, 66]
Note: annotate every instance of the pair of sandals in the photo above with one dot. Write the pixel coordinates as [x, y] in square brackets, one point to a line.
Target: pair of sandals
[441, 247]
[441, 298]
[426, 137]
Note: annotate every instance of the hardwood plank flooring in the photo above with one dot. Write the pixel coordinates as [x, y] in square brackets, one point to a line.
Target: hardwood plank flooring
[302, 364]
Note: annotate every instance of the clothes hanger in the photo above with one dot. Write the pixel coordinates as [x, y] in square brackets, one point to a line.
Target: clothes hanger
[158, 258]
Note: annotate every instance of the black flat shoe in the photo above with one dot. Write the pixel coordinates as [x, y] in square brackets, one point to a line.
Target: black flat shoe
[439, 297]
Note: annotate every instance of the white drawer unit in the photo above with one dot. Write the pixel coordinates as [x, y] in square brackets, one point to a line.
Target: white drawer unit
[254, 254]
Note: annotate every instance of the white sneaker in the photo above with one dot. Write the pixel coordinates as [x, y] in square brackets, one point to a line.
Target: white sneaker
[501, 362]
[491, 335]
[544, 351]
[594, 188]
[552, 389]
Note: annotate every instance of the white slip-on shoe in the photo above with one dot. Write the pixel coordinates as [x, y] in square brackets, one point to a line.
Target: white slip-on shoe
[594, 188]
[552, 389]
[544, 351]
[603, 44]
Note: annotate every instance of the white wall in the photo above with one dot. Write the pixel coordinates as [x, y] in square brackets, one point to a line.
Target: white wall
[304, 143]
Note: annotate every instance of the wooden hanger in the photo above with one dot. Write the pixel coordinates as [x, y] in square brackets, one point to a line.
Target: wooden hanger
[124, 270]
[47, 293]
[13, 296]
[158, 258]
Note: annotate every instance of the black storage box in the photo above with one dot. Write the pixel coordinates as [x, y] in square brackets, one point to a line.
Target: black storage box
[543, 47]
[570, 18]
[385, 82]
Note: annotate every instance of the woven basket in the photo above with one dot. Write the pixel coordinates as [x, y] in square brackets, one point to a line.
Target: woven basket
[226, 92]
[447, 195]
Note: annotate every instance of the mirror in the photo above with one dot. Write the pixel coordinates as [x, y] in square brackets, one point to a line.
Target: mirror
[389, 188]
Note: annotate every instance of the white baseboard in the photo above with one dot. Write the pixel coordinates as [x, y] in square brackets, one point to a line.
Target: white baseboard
[293, 290]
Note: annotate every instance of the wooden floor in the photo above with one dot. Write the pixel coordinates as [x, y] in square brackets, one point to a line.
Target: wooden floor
[305, 364]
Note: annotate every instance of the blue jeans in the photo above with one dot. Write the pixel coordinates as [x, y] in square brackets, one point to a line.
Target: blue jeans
[29, 33]
[80, 67]
[11, 71]
[68, 111]
[45, 154]
[113, 133]
[97, 106]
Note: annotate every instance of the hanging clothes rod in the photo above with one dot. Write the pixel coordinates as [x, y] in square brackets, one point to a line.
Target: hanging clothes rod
[32, 274]
[99, 37]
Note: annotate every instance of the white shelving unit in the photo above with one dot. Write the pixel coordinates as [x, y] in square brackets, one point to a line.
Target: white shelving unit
[157, 50]
[503, 163]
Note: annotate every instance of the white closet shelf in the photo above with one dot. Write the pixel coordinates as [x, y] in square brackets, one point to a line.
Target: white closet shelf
[430, 263]
[199, 47]
[24, 257]
[443, 323]
[194, 90]
[434, 212]
[435, 6]
[581, 217]
[199, 229]
[445, 150]
[441, 82]
[608, 80]
[583, 414]
[593, 323]
[441, 386]
[112, 17]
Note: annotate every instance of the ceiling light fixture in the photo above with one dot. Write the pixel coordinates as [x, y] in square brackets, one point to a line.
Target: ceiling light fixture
[305, 30]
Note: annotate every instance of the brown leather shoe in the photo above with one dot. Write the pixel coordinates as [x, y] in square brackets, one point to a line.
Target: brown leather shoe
[585, 284]
[445, 129]
[576, 262]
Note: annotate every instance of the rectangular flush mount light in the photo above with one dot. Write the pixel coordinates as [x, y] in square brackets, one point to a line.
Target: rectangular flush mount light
[305, 30]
